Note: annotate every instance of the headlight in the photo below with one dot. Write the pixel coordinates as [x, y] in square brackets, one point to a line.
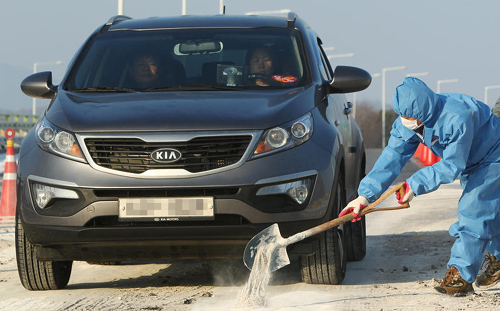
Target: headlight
[285, 137]
[276, 138]
[52, 139]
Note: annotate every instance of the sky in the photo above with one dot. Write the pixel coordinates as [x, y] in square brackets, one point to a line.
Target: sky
[448, 39]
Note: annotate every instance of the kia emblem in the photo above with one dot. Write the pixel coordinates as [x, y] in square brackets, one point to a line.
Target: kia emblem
[166, 155]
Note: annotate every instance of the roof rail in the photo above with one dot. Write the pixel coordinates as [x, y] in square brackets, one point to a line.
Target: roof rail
[291, 19]
[116, 19]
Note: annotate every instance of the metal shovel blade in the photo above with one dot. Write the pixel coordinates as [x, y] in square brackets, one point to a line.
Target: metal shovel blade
[273, 243]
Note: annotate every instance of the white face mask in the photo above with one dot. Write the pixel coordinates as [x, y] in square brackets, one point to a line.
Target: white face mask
[411, 124]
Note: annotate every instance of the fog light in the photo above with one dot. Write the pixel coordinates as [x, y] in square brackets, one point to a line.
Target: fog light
[299, 194]
[43, 194]
[297, 190]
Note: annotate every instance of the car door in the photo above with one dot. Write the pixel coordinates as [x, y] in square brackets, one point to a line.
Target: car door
[339, 111]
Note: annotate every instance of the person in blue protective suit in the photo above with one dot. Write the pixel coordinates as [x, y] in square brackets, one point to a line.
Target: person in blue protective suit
[465, 134]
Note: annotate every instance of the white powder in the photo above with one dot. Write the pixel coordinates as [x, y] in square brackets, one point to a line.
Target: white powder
[253, 293]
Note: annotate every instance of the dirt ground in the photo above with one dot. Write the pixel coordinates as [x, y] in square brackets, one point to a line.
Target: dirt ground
[407, 250]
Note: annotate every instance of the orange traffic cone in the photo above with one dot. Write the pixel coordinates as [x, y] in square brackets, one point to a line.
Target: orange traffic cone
[418, 153]
[425, 154]
[8, 203]
[432, 159]
[429, 158]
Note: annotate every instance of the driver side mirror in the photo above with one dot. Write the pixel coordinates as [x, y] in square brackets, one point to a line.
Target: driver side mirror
[39, 85]
[348, 79]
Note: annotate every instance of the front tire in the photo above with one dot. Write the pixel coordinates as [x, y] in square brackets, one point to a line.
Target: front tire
[356, 240]
[328, 263]
[36, 274]
[356, 231]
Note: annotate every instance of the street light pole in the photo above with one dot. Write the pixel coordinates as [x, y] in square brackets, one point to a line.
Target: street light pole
[120, 7]
[354, 97]
[35, 66]
[444, 81]
[183, 7]
[486, 88]
[221, 7]
[384, 70]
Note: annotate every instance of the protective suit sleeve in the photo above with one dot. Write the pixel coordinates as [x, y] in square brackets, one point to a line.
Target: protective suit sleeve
[457, 141]
[399, 150]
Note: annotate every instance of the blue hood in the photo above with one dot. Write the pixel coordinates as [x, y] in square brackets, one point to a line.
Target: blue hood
[179, 111]
[414, 99]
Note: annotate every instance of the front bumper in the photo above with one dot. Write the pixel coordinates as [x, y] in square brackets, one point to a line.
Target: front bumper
[154, 243]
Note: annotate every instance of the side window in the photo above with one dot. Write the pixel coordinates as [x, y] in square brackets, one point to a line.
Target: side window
[326, 70]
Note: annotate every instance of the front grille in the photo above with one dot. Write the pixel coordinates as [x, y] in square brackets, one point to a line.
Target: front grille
[160, 193]
[199, 154]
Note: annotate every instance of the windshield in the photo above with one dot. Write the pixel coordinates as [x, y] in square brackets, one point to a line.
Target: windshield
[190, 59]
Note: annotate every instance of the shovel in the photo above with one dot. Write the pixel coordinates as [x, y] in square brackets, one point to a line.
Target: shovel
[271, 237]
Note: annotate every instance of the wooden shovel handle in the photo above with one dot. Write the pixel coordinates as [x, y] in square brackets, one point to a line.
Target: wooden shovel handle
[370, 207]
[338, 221]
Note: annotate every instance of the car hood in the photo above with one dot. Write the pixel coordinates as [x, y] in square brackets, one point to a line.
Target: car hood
[179, 111]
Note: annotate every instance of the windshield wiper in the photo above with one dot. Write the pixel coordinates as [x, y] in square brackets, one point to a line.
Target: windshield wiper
[105, 89]
[195, 87]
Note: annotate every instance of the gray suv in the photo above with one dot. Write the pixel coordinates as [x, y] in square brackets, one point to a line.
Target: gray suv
[182, 138]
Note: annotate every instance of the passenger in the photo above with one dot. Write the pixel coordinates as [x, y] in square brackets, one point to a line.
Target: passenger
[465, 134]
[260, 62]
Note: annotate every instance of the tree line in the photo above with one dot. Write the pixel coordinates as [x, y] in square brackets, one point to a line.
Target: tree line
[369, 120]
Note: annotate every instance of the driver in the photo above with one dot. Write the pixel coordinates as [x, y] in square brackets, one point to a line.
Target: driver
[146, 70]
[261, 62]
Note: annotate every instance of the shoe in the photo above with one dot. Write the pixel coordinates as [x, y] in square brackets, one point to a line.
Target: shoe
[453, 284]
[491, 275]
